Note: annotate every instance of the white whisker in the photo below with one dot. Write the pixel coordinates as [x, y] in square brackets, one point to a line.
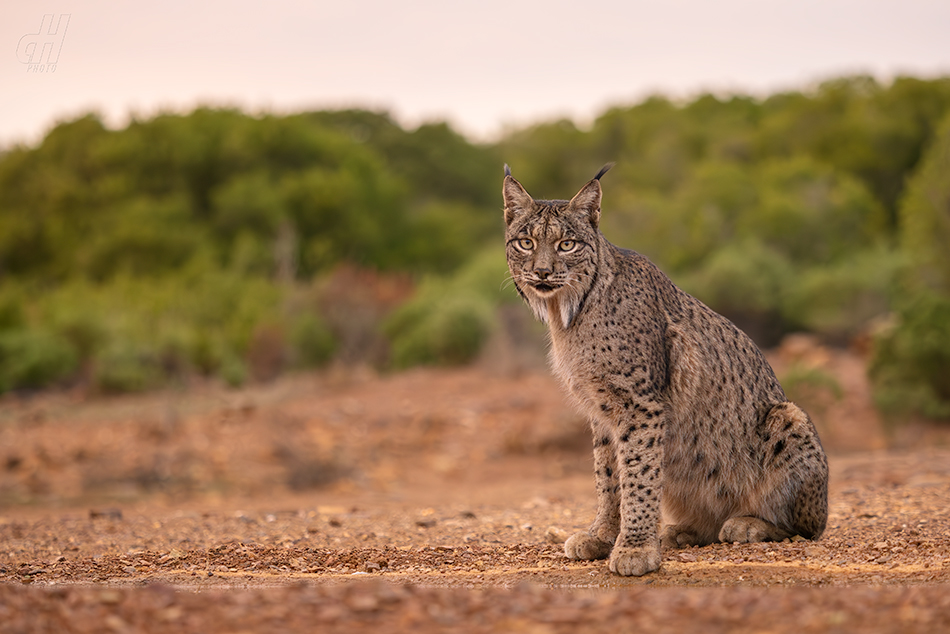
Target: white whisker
[507, 282]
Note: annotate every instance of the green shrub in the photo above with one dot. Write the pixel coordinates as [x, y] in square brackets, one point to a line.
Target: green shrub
[925, 215]
[125, 366]
[11, 310]
[703, 215]
[810, 212]
[440, 330]
[450, 319]
[34, 359]
[233, 370]
[84, 331]
[485, 274]
[909, 368]
[741, 277]
[838, 301]
[203, 352]
[746, 283]
[807, 385]
[311, 341]
[445, 235]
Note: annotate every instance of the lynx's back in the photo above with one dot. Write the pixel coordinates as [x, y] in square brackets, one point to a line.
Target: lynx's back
[686, 412]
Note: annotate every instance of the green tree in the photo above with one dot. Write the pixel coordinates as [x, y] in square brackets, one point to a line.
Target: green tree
[925, 215]
[909, 368]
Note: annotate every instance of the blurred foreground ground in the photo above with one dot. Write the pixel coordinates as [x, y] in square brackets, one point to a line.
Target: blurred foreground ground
[433, 500]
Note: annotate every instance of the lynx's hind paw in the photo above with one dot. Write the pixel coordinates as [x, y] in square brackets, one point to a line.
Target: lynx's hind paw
[748, 529]
[677, 536]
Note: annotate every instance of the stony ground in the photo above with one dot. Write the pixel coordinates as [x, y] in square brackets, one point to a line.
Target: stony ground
[427, 501]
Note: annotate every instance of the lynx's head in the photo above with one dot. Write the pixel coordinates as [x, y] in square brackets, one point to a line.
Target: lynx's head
[552, 248]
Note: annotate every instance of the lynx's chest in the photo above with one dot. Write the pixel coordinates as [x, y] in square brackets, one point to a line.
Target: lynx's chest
[578, 369]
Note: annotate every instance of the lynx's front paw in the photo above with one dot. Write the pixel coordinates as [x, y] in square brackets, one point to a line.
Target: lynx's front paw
[586, 546]
[634, 562]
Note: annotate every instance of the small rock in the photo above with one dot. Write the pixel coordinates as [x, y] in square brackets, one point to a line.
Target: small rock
[112, 514]
[555, 535]
[109, 597]
[172, 555]
[172, 613]
[371, 566]
[362, 602]
[426, 523]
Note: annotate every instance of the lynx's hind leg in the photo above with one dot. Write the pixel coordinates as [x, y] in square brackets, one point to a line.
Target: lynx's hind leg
[792, 498]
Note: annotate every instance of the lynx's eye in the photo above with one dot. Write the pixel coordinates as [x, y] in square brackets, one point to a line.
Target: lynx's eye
[566, 246]
[526, 244]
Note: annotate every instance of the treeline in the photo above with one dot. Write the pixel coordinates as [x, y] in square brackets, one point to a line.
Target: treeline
[226, 244]
[223, 244]
[220, 185]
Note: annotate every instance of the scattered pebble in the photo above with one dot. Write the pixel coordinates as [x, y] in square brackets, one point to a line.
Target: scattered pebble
[555, 535]
[109, 513]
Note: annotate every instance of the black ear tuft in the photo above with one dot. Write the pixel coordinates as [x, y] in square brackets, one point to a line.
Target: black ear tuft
[602, 171]
[517, 200]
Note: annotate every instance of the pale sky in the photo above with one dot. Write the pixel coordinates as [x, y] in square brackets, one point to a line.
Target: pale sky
[480, 65]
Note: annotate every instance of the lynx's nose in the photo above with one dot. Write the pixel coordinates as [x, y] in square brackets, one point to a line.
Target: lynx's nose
[542, 273]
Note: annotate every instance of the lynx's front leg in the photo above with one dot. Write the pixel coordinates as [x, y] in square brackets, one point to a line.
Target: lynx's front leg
[599, 540]
[640, 454]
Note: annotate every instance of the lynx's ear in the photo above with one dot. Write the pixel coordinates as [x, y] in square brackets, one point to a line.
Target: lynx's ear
[587, 200]
[517, 200]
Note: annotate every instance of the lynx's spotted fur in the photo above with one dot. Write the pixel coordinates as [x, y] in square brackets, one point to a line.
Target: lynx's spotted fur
[687, 416]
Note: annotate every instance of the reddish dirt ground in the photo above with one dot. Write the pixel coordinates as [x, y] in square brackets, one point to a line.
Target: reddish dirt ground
[428, 501]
